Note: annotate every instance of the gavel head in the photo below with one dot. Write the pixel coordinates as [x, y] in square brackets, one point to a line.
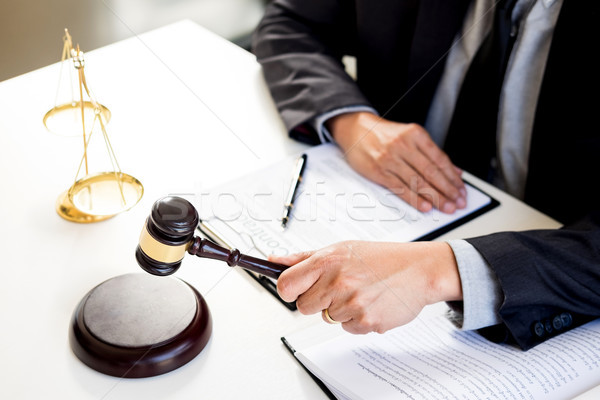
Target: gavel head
[166, 236]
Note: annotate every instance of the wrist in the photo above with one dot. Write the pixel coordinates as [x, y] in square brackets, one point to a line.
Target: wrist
[343, 127]
[443, 282]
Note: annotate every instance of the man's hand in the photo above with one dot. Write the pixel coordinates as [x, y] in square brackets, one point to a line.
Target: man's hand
[370, 286]
[401, 157]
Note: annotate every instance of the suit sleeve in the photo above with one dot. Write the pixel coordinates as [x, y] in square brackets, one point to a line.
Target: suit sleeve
[300, 45]
[550, 280]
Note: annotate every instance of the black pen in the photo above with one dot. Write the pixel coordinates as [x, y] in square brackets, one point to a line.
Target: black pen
[296, 179]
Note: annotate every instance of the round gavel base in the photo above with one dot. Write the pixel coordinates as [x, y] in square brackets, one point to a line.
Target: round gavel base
[140, 325]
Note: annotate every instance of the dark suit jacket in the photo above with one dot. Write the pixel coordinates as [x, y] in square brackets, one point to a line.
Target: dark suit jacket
[400, 46]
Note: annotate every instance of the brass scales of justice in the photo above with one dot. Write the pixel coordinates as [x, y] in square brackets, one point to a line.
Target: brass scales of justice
[97, 196]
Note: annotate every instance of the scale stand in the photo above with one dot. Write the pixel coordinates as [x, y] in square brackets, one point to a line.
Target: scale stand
[93, 197]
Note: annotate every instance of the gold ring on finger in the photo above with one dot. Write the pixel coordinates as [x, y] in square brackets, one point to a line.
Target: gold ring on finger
[328, 317]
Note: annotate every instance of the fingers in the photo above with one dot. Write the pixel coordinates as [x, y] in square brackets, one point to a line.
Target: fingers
[313, 282]
[331, 281]
[419, 193]
[291, 259]
[355, 317]
[410, 164]
[437, 169]
[296, 280]
[370, 286]
[411, 190]
[415, 191]
[425, 172]
[314, 279]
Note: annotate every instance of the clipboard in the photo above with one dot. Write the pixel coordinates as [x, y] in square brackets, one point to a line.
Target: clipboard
[209, 232]
[455, 224]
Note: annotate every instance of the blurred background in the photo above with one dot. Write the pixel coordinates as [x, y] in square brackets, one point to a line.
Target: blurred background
[31, 31]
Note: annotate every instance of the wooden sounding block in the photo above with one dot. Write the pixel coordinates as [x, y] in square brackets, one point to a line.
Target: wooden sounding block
[140, 325]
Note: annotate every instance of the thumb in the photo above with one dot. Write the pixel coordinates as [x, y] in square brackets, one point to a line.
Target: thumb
[297, 279]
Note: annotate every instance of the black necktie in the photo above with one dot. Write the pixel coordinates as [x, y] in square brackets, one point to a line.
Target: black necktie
[471, 139]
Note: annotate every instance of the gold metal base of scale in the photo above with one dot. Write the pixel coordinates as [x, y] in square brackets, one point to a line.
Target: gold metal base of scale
[99, 197]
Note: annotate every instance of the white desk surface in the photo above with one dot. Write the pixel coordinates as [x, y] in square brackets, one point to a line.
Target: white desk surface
[189, 110]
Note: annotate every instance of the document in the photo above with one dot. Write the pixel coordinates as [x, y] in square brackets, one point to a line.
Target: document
[333, 203]
[430, 359]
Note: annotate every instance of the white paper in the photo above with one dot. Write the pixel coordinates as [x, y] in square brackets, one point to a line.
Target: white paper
[430, 359]
[334, 203]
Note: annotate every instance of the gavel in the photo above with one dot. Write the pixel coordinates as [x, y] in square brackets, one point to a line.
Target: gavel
[169, 233]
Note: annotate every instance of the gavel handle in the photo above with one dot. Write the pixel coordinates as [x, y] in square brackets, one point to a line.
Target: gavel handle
[206, 249]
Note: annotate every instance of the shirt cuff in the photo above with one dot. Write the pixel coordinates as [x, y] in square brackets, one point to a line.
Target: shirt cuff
[482, 294]
[318, 123]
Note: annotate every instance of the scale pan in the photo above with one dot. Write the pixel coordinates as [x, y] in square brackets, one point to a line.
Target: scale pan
[65, 119]
[66, 209]
[105, 193]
